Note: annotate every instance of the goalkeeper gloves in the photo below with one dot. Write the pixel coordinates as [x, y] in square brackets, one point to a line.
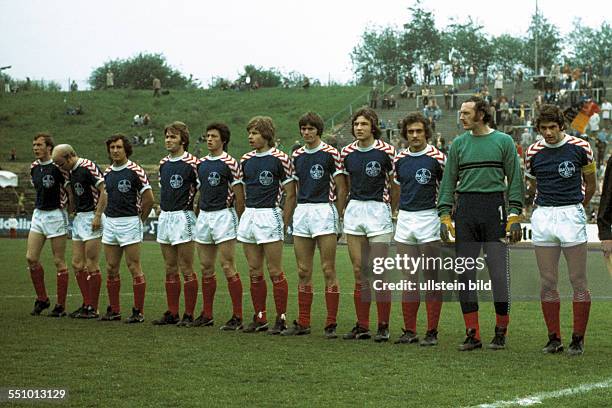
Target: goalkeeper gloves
[446, 227]
[513, 228]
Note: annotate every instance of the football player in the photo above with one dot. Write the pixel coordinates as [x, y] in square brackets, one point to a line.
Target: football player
[559, 167]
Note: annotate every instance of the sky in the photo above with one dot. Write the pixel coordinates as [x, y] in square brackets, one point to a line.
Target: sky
[67, 39]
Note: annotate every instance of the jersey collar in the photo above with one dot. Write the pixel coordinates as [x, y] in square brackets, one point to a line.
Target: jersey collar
[316, 149]
[266, 153]
[561, 143]
[366, 149]
[42, 163]
[127, 163]
[77, 164]
[211, 157]
[175, 159]
[419, 153]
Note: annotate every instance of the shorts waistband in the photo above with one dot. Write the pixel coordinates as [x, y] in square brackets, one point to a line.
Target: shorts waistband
[559, 207]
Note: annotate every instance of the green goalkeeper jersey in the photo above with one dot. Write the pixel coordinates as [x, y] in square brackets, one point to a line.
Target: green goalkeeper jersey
[482, 164]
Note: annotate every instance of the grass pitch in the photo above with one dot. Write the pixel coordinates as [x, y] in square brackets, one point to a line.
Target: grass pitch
[113, 364]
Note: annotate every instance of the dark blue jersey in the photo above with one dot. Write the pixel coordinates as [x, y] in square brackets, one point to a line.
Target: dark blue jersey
[419, 175]
[124, 186]
[85, 177]
[370, 170]
[49, 182]
[558, 170]
[264, 174]
[315, 171]
[218, 174]
[178, 179]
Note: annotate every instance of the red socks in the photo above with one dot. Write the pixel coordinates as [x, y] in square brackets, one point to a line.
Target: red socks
[502, 320]
[550, 309]
[259, 292]
[280, 289]
[304, 304]
[113, 285]
[433, 303]
[209, 287]
[581, 309]
[38, 280]
[361, 297]
[383, 306]
[81, 278]
[173, 293]
[139, 286]
[234, 285]
[94, 283]
[471, 322]
[190, 287]
[332, 299]
[62, 286]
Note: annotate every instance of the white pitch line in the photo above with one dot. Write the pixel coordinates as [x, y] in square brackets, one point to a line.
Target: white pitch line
[539, 397]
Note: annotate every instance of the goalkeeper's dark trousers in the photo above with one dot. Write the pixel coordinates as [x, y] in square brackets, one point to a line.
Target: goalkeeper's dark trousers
[480, 223]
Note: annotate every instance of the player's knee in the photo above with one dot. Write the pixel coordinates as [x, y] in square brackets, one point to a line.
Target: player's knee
[304, 272]
[77, 265]
[228, 268]
[32, 261]
[59, 262]
[134, 266]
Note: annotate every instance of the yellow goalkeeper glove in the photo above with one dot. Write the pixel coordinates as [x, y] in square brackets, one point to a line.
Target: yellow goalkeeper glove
[446, 227]
[513, 228]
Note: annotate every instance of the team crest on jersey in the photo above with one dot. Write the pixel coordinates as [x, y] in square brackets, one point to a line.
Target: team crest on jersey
[567, 169]
[214, 179]
[78, 189]
[317, 171]
[266, 178]
[124, 186]
[422, 176]
[373, 169]
[176, 181]
[48, 181]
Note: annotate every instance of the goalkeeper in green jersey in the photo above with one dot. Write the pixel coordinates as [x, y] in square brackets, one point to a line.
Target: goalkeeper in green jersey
[482, 173]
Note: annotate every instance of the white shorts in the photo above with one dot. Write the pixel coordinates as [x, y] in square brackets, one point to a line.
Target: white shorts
[81, 227]
[313, 220]
[122, 231]
[215, 227]
[176, 227]
[51, 223]
[559, 226]
[417, 227]
[261, 225]
[369, 218]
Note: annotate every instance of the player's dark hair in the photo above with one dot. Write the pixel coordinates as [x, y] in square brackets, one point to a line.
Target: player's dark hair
[312, 119]
[415, 117]
[127, 146]
[49, 142]
[481, 105]
[265, 126]
[223, 131]
[182, 130]
[370, 115]
[550, 113]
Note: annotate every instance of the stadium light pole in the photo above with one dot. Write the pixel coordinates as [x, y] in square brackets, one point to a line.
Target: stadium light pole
[537, 28]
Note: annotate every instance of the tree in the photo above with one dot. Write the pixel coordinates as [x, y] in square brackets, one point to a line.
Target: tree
[548, 43]
[138, 72]
[470, 42]
[266, 78]
[507, 53]
[420, 40]
[377, 56]
[590, 46]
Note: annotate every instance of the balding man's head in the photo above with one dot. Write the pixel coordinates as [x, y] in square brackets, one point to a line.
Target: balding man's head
[64, 156]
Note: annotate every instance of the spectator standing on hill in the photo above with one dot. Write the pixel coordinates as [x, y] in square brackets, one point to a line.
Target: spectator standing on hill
[437, 72]
[499, 84]
[110, 80]
[606, 112]
[49, 221]
[156, 87]
[87, 185]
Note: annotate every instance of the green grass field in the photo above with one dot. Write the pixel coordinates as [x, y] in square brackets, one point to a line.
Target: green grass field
[113, 364]
[106, 112]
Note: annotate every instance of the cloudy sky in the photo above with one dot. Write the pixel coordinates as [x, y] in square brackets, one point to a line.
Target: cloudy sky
[62, 39]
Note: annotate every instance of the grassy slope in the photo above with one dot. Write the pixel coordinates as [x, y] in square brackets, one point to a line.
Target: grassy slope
[117, 365]
[107, 112]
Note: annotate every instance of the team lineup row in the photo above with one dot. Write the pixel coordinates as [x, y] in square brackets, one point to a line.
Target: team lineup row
[320, 192]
